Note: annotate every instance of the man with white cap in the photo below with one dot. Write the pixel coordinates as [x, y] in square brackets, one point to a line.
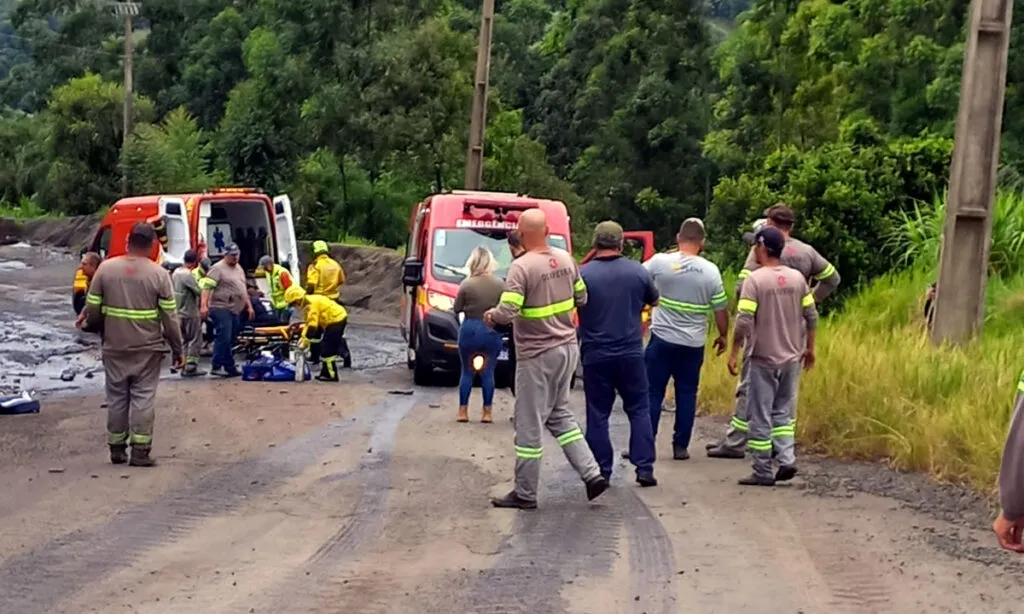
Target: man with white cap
[690, 289]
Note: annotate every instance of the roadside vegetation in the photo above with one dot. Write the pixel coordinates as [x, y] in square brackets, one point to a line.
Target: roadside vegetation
[879, 390]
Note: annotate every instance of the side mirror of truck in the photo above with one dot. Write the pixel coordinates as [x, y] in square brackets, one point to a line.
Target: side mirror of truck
[412, 272]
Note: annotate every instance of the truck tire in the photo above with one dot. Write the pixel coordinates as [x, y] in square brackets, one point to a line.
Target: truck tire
[422, 374]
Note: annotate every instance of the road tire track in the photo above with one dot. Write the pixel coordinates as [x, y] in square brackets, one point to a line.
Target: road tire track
[35, 581]
[652, 560]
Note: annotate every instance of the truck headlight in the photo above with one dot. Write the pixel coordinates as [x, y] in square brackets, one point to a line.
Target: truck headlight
[440, 301]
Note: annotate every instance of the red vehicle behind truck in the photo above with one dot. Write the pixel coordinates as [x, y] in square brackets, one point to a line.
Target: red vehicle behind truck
[207, 223]
[443, 231]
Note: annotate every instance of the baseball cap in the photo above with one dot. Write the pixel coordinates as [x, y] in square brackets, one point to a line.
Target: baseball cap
[780, 213]
[232, 249]
[608, 235]
[692, 229]
[748, 237]
[772, 239]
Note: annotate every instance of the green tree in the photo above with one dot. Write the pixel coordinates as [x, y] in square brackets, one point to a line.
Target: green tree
[173, 156]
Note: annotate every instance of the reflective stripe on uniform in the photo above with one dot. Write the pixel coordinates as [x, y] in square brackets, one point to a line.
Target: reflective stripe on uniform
[682, 307]
[1020, 384]
[569, 437]
[808, 301]
[512, 298]
[548, 311]
[828, 272]
[117, 438]
[784, 431]
[529, 453]
[744, 274]
[168, 304]
[207, 284]
[93, 299]
[142, 439]
[579, 286]
[740, 425]
[760, 445]
[747, 306]
[131, 314]
[719, 299]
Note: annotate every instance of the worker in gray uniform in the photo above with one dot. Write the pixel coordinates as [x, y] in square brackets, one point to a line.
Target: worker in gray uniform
[542, 288]
[187, 294]
[1009, 526]
[816, 270]
[132, 300]
[775, 313]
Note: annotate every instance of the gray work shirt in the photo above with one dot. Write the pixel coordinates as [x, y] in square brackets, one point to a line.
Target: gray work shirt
[690, 289]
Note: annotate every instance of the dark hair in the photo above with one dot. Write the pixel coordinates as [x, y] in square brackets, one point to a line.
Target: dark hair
[142, 236]
[514, 240]
[191, 257]
[781, 215]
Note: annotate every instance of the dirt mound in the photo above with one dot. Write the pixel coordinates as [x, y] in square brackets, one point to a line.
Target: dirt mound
[373, 276]
[70, 232]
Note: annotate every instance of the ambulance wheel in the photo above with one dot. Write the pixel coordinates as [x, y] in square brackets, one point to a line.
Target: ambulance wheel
[422, 374]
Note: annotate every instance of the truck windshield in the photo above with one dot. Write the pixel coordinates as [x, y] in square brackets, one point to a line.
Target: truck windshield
[453, 246]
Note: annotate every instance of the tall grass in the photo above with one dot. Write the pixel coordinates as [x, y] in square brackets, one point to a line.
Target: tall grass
[24, 209]
[879, 389]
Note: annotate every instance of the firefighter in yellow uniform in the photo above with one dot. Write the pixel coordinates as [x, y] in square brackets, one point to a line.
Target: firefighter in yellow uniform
[324, 276]
[325, 319]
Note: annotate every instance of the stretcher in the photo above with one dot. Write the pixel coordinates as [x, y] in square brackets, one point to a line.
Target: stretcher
[279, 340]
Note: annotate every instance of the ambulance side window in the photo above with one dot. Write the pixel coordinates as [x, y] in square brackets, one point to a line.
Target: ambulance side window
[102, 244]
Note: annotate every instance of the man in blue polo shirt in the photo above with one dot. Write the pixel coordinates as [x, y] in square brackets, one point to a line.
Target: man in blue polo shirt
[612, 349]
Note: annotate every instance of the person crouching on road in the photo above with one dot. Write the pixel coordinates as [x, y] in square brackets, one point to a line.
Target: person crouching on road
[612, 345]
[224, 299]
[187, 294]
[690, 289]
[326, 319]
[542, 289]
[774, 308]
[478, 293]
[132, 301]
[279, 280]
[324, 276]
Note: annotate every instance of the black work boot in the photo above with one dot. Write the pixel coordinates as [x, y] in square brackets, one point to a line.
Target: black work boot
[513, 501]
[118, 453]
[680, 453]
[785, 473]
[141, 457]
[646, 480]
[192, 370]
[724, 452]
[756, 480]
[595, 487]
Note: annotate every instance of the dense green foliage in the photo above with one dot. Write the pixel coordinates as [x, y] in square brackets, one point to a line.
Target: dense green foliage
[645, 111]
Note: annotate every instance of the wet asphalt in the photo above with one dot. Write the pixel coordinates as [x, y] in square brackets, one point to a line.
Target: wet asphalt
[42, 352]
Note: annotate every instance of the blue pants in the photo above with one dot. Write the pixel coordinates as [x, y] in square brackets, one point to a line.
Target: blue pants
[601, 381]
[682, 363]
[475, 337]
[226, 325]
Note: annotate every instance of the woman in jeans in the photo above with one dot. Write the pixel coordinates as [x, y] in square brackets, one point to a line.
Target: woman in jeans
[478, 293]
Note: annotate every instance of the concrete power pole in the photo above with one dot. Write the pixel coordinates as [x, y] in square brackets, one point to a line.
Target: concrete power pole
[963, 268]
[478, 120]
[127, 10]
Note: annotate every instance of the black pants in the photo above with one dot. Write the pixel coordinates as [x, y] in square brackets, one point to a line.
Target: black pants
[333, 345]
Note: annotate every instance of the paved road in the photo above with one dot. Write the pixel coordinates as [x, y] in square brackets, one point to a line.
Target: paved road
[366, 497]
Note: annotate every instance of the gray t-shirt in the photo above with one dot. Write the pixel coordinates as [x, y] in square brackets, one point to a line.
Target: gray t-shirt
[691, 289]
[227, 284]
[186, 292]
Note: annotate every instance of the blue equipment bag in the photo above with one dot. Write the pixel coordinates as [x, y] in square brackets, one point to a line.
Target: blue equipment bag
[22, 404]
[270, 369]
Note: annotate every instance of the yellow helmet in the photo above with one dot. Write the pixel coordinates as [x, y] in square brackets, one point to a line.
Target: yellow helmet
[320, 247]
[294, 294]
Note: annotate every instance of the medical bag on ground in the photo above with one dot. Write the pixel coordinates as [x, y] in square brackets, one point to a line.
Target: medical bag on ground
[271, 369]
[21, 404]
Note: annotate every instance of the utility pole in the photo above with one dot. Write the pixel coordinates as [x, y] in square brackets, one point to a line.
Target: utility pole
[127, 10]
[478, 120]
[966, 240]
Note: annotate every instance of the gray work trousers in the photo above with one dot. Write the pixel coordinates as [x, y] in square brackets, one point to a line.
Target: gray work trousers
[542, 402]
[771, 404]
[736, 434]
[191, 336]
[131, 384]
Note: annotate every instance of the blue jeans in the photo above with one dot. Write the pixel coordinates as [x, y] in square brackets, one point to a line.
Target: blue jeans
[682, 363]
[601, 381]
[475, 337]
[226, 325]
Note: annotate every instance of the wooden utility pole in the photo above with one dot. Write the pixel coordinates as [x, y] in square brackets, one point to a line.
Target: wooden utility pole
[963, 267]
[478, 120]
[127, 10]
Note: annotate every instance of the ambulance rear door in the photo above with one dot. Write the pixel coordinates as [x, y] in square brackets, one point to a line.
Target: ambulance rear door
[287, 246]
[175, 220]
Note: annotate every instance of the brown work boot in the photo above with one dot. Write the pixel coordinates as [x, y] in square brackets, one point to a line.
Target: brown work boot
[486, 417]
[141, 457]
[118, 453]
[463, 414]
